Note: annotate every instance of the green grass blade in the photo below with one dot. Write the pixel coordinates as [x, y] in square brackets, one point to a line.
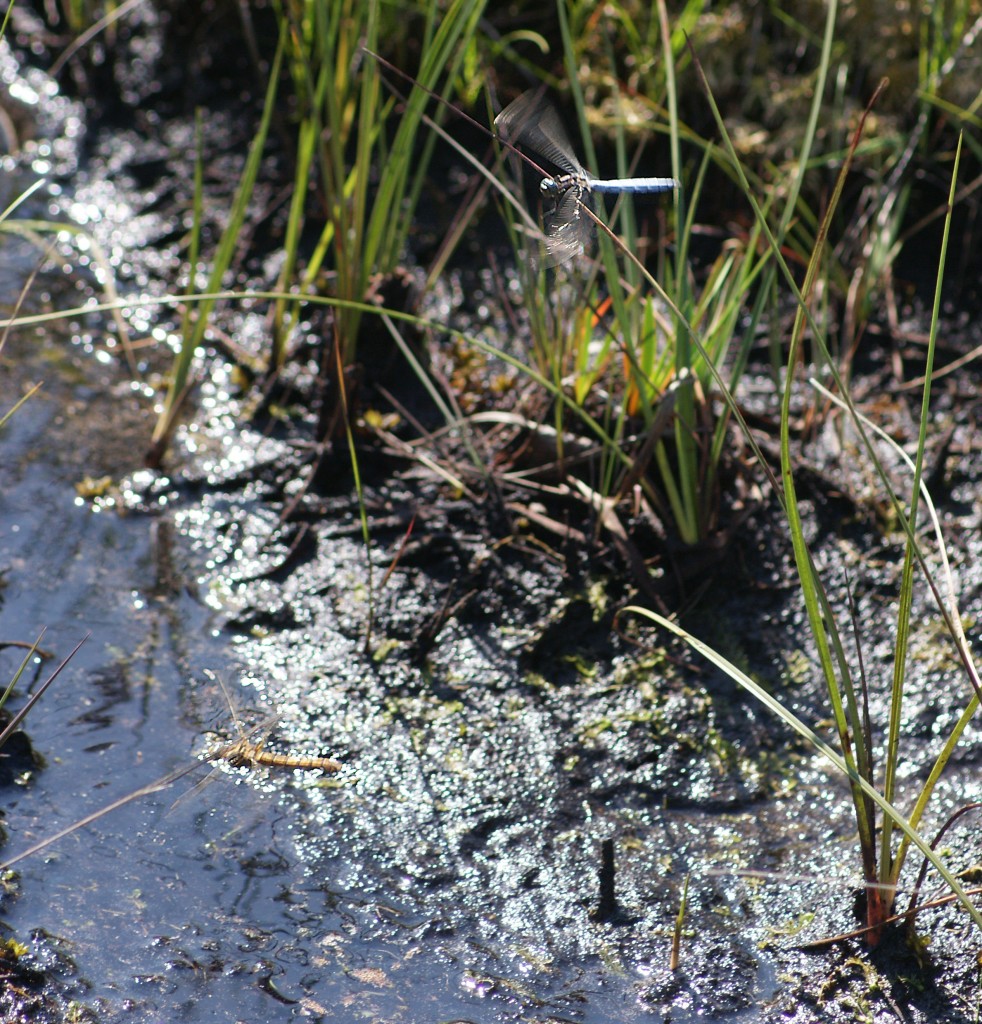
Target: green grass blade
[902, 643]
[841, 763]
[221, 263]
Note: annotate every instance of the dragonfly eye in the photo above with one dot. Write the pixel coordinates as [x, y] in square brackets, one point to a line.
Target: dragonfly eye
[549, 187]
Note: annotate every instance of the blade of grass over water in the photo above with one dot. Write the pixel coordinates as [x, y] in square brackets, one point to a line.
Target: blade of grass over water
[20, 199]
[138, 794]
[360, 492]
[20, 401]
[82, 16]
[22, 713]
[843, 764]
[191, 313]
[14, 679]
[589, 423]
[221, 264]
[33, 230]
[902, 645]
[952, 619]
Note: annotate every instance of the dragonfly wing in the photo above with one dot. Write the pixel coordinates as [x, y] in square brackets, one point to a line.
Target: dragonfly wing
[194, 791]
[568, 229]
[532, 121]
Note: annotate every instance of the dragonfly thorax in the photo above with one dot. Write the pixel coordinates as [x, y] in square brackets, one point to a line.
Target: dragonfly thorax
[553, 187]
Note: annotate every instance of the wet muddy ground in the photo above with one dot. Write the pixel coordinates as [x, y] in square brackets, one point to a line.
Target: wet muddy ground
[455, 868]
[527, 785]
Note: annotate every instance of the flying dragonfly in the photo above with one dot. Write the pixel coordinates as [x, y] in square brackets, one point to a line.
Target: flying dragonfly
[531, 121]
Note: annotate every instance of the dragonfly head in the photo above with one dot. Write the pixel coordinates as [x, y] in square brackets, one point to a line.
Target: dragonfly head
[555, 187]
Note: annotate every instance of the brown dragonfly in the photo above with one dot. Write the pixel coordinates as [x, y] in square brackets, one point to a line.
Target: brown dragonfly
[245, 753]
[242, 753]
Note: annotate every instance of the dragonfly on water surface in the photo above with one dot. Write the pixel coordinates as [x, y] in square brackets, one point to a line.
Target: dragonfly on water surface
[250, 753]
[533, 122]
[246, 753]
[243, 752]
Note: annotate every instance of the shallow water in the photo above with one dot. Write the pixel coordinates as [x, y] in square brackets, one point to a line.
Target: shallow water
[121, 715]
